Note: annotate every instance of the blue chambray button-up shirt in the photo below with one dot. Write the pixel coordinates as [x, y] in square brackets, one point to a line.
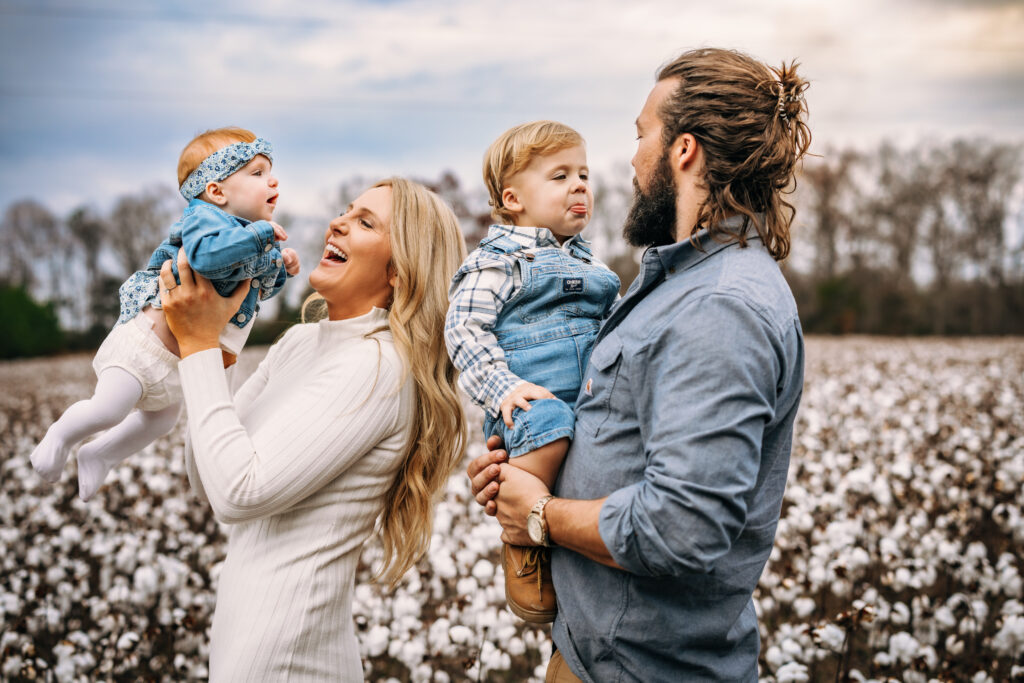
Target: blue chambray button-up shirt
[685, 422]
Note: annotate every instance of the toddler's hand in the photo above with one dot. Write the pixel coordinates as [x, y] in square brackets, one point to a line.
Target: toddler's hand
[520, 398]
[279, 234]
[291, 260]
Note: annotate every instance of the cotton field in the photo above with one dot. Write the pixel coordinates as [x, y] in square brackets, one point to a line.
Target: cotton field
[898, 555]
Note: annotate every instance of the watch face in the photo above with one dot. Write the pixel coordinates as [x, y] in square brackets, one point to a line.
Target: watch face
[533, 528]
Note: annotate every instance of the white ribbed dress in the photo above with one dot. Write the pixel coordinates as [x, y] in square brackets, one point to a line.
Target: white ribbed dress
[298, 464]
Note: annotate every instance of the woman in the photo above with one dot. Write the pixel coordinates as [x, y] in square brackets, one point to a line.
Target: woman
[349, 419]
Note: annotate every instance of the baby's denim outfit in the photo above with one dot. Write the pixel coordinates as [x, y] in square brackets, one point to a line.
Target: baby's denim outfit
[546, 331]
[225, 249]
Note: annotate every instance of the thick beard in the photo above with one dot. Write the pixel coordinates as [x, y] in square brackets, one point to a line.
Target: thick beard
[652, 217]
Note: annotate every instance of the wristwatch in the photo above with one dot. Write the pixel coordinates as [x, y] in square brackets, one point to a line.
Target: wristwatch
[537, 525]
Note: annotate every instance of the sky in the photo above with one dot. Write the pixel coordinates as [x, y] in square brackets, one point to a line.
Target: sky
[98, 98]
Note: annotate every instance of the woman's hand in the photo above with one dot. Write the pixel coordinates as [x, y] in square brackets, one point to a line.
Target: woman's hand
[483, 474]
[195, 312]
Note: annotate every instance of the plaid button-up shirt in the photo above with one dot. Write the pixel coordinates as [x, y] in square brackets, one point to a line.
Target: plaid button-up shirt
[478, 293]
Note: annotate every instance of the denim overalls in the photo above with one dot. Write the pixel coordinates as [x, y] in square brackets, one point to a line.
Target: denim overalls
[546, 332]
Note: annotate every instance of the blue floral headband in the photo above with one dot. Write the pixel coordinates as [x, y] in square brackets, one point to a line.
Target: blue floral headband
[223, 163]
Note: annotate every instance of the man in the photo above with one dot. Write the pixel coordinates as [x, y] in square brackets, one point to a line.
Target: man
[666, 507]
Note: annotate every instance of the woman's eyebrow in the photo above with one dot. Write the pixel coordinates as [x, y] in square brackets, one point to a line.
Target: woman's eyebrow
[364, 210]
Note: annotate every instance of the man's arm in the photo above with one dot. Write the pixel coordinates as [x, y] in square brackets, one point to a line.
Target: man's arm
[572, 524]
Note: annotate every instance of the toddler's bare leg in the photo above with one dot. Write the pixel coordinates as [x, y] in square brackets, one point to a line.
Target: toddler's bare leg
[135, 432]
[544, 462]
[117, 392]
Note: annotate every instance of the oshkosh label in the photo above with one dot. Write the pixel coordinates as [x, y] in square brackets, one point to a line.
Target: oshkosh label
[572, 284]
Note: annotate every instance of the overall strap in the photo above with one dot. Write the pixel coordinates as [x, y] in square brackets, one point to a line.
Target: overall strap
[500, 244]
[581, 249]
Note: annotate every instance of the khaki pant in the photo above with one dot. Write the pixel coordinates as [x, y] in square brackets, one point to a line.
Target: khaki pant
[559, 671]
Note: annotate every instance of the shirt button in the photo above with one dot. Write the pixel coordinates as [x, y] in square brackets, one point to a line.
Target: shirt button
[278, 262]
[240, 317]
[254, 284]
[268, 247]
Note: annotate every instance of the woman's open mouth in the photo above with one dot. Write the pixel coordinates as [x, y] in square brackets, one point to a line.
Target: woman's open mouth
[332, 253]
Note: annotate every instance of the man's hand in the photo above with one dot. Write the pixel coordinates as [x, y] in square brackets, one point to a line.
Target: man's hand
[483, 475]
[291, 260]
[518, 492]
[520, 398]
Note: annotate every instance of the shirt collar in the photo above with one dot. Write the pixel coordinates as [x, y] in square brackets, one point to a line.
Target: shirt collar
[685, 254]
[196, 202]
[528, 237]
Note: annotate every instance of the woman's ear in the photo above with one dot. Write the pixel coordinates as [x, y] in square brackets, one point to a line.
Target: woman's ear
[392, 276]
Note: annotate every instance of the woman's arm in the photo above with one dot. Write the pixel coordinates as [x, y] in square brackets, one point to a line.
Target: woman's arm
[249, 390]
[319, 431]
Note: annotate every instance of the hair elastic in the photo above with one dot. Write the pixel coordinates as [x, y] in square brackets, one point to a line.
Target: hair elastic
[223, 163]
[784, 99]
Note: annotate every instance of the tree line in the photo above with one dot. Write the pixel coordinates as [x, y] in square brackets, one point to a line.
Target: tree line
[921, 240]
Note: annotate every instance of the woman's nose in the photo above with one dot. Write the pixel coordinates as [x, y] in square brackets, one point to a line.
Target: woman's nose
[339, 225]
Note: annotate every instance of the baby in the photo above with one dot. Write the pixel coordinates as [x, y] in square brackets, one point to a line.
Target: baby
[524, 311]
[228, 237]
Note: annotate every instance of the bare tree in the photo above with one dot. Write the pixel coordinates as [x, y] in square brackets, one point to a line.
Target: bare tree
[825, 188]
[88, 232]
[28, 229]
[138, 223]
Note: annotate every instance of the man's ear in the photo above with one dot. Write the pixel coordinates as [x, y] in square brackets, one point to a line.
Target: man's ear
[684, 152]
[510, 201]
[215, 194]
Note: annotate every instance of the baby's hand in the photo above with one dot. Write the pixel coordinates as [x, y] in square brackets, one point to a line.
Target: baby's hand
[291, 260]
[520, 398]
[279, 234]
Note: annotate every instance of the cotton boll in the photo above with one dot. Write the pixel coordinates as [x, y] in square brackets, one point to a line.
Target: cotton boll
[375, 642]
[483, 571]
[830, 636]
[900, 614]
[903, 647]
[128, 640]
[792, 672]
[1009, 640]
[460, 634]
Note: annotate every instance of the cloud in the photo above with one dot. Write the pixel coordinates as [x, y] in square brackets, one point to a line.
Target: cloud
[410, 86]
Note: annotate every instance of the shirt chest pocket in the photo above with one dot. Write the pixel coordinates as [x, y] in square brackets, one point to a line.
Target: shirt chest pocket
[602, 384]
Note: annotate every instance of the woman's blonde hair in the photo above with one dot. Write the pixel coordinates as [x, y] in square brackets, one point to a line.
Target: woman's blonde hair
[515, 149]
[426, 249]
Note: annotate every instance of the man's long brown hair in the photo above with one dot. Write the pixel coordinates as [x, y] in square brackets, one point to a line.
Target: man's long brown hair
[750, 120]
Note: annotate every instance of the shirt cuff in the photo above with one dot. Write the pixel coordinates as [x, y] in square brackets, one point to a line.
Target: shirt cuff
[203, 378]
[615, 526]
[264, 231]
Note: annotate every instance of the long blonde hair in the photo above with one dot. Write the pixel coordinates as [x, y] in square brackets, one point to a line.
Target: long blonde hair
[426, 250]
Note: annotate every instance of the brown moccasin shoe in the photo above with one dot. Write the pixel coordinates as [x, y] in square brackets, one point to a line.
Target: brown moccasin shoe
[528, 588]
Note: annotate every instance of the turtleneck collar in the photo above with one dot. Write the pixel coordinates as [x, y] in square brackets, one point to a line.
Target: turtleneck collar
[338, 330]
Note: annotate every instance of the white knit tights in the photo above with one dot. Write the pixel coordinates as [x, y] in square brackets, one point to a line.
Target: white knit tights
[116, 394]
